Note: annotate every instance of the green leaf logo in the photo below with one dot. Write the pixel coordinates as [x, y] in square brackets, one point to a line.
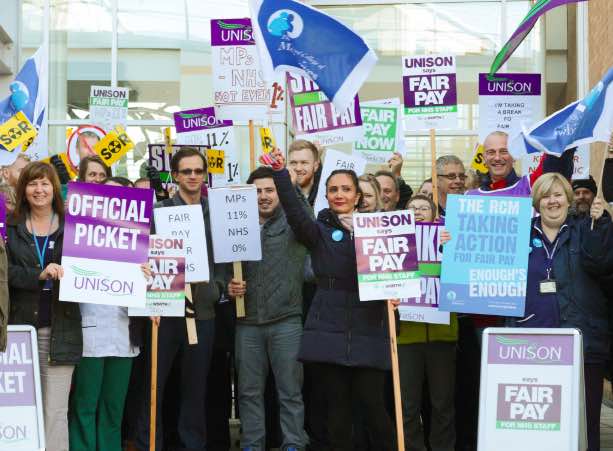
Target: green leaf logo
[229, 26]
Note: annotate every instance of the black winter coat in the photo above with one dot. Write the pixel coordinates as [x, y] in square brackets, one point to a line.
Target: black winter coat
[25, 289]
[339, 328]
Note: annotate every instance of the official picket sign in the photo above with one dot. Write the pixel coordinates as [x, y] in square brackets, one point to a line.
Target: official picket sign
[17, 131]
[186, 222]
[239, 91]
[508, 102]
[424, 308]
[200, 127]
[333, 160]
[108, 106]
[21, 404]
[166, 286]
[485, 269]
[382, 130]
[315, 118]
[114, 145]
[159, 158]
[386, 255]
[106, 239]
[430, 92]
[532, 390]
[235, 224]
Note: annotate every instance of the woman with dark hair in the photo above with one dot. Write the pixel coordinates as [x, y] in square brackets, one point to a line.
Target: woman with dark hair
[93, 170]
[347, 340]
[34, 247]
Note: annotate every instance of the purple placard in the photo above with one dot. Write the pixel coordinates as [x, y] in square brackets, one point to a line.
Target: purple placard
[510, 85]
[231, 32]
[533, 403]
[3, 216]
[120, 212]
[17, 368]
[426, 91]
[198, 119]
[312, 112]
[523, 349]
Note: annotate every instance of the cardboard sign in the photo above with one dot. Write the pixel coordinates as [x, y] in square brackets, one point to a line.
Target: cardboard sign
[106, 239]
[478, 161]
[239, 91]
[200, 127]
[508, 102]
[430, 92]
[186, 222]
[166, 287]
[81, 143]
[267, 139]
[113, 146]
[21, 404]
[485, 266]
[16, 131]
[159, 158]
[215, 161]
[424, 308]
[382, 131]
[531, 395]
[108, 107]
[235, 224]
[386, 255]
[315, 118]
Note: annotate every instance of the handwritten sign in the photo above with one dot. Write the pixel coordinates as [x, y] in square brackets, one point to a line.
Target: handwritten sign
[113, 146]
[235, 224]
[386, 255]
[16, 131]
[430, 92]
[166, 286]
[186, 222]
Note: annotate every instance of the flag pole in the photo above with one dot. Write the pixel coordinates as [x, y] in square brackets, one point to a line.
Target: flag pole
[154, 385]
[604, 160]
[433, 171]
[395, 375]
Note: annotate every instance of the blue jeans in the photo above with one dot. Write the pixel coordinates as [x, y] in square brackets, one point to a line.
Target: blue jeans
[257, 346]
[195, 364]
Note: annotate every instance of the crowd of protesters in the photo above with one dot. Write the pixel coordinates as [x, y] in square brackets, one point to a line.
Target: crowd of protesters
[308, 366]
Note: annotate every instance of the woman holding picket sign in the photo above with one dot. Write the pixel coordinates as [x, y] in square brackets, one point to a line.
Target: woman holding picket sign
[34, 247]
[348, 340]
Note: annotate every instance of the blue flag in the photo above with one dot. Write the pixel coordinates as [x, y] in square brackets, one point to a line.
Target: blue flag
[583, 122]
[28, 94]
[294, 37]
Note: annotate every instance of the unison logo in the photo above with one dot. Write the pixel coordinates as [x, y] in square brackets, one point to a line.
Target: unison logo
[11, 433]
[96, 281]
[522, 349]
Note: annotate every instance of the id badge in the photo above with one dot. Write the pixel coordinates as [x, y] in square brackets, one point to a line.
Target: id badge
[48, 286]
[548, 286]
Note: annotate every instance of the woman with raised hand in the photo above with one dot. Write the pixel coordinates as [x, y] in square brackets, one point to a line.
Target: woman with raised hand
[34, 247]
[347, 340]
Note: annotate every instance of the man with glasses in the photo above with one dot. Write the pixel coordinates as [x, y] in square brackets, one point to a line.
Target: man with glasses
[450, 179]
[188, 168]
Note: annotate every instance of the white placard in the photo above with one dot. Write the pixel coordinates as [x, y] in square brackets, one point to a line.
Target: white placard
[187, 222]
[108, 107]
[581, 162]
[235, 224]
[532, 390]
[334, 160]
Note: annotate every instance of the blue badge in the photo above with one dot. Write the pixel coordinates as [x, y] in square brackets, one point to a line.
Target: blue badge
[536, 242]
[337, 235]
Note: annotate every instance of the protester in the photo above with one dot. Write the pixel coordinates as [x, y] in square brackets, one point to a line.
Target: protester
[93, 170]
[426, 188]
[10, 173]
[567, 259]
[142, 182]
[304, 159]
[390, 190]
[451, 176]
[394, 165]
[34, 247]
[101, 377]
[371, 194]
[9, 197]
[473, 180]
[85, 144]
[188, 168]
[585, 191]
[272, 327]
[348, 339]
[427, 355]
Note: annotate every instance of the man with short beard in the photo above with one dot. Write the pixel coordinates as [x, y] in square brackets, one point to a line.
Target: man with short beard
[10, 173]
[271, 330]
[585, 191]
[303, 159]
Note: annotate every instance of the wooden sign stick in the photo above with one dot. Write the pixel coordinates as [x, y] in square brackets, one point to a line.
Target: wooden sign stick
[604, 160]
[190, 323]
[395, 375]
[433, 171]
[154, 385]
[251, 146]
[168, 140]
[240, 300]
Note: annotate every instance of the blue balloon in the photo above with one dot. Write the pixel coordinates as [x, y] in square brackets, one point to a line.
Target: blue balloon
[19, 95]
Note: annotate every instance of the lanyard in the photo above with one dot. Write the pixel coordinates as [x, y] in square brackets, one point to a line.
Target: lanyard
[39, 252]
[550, 256]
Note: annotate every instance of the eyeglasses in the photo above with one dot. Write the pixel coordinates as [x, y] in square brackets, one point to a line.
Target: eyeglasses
[422, 209]
[453, 176]
[188, 172]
